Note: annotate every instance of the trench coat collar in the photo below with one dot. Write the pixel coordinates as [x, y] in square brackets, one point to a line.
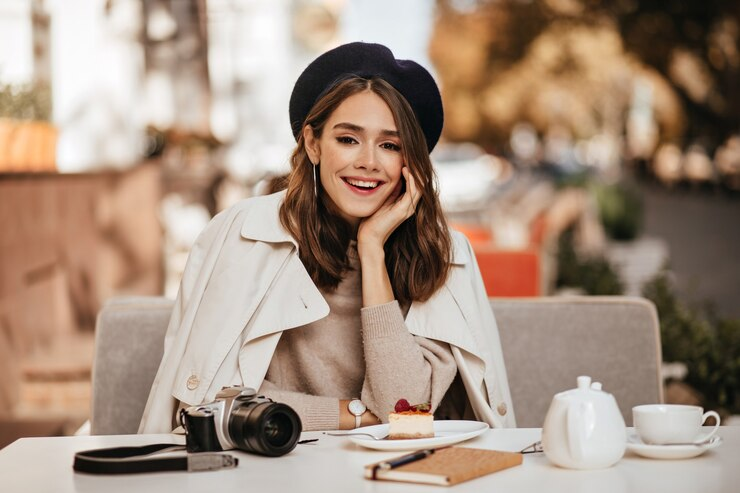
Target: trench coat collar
[262, 223]
[262, 220]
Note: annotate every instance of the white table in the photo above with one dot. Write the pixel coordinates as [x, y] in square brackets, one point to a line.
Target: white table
[336, 465]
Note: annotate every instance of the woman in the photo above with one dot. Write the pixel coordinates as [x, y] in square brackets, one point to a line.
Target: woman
[346, 292]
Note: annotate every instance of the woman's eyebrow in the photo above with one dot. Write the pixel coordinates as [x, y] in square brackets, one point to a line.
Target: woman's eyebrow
[359, 129]
[349, 126]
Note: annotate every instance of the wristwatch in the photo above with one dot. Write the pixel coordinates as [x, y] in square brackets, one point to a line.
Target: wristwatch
[357, 408]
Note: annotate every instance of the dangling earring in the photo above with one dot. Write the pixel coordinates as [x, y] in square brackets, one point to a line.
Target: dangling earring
[315, 188]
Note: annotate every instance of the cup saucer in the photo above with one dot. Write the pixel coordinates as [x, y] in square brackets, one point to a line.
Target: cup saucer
[669, 451]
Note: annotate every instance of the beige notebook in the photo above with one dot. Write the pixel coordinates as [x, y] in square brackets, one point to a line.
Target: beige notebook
[447, 466]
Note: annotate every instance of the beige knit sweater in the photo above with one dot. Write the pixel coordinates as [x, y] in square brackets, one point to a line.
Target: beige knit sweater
[356, 352]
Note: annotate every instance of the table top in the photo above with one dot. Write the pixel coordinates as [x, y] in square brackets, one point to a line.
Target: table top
[334, 464]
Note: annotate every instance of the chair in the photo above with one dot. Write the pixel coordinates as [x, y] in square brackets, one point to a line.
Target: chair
[548, 342]
[129, 341]
[509, 273]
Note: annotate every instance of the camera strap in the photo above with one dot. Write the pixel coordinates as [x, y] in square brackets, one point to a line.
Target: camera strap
[132, 460]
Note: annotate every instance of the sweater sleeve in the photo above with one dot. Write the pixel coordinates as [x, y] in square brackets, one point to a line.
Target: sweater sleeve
[316, 412]
[399, 364]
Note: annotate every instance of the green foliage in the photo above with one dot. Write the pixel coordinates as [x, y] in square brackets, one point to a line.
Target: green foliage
[620, 210]
[28, 102]
[709, 346]
[724, 356]
[593, 274]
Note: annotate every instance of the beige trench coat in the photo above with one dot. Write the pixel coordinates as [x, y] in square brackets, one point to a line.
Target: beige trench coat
[244, 284]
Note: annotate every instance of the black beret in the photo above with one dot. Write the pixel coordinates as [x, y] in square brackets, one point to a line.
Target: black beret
[369, 60]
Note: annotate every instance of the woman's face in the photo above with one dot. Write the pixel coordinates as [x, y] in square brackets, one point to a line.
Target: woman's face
[360, 155]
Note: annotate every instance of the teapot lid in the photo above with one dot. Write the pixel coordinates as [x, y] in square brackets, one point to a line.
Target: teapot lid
[584, 382]
[585, 387]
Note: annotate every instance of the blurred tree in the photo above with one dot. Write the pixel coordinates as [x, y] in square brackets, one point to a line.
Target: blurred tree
[620, 209]
[707, 344]
[574, 63]
[696, 46]
[593, 274]
[27, 102]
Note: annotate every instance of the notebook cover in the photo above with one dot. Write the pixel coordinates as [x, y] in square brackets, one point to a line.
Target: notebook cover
[449, 466]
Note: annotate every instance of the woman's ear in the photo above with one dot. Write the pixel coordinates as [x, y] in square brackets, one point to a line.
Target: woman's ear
[312, 144]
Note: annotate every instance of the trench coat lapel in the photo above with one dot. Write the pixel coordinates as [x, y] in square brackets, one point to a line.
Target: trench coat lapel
[293, 298]
[445, 316]
[217, 323]
[292, 301]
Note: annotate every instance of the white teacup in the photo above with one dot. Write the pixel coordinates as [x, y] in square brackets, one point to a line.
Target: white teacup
[664, 424]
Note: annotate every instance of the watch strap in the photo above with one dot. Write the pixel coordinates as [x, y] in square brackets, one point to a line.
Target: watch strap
[358, 416]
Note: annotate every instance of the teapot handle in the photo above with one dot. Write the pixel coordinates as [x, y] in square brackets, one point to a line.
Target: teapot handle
[576, 438]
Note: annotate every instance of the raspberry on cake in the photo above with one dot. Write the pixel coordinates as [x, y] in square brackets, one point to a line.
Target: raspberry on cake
[410, 421]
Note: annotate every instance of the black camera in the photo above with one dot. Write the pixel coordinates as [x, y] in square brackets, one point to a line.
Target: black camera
[239, 418]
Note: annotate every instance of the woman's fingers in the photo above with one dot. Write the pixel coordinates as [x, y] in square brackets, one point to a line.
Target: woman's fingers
[396, 209]
[412, 195]
[411, 186]
[393, 197]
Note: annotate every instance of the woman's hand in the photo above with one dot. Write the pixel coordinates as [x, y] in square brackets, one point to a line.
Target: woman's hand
[374, 231]
[372, 235]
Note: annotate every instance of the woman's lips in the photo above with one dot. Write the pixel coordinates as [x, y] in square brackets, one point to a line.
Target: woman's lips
[362, 186]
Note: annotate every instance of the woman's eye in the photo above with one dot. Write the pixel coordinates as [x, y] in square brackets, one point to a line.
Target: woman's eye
[391, 146]
[346, 140]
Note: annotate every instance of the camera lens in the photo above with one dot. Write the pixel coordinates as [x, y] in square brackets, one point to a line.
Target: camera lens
[278, 430]
[266, 428]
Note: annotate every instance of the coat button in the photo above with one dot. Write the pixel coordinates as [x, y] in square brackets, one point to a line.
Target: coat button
[502, 409]
[193, 382]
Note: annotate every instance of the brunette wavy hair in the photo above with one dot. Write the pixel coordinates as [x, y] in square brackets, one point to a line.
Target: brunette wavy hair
[418, 252]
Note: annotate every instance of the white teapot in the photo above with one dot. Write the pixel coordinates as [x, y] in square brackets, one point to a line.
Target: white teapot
[583, 428]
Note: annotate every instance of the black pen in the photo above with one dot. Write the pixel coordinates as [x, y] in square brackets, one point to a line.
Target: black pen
[404, 459]
[400, 461]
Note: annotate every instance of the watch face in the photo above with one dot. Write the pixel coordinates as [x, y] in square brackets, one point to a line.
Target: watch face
[356, 407]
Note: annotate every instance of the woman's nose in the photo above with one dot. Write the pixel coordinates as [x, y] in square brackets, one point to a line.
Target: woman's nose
[368, 158]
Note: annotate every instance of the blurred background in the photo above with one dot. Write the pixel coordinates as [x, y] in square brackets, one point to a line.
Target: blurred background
[590, 147]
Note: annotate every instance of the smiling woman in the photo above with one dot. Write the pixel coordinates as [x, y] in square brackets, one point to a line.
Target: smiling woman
[347, 291]
[376, 175]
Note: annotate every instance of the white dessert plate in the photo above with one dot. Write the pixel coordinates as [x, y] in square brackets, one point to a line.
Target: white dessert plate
[446, 432]
[669, 451]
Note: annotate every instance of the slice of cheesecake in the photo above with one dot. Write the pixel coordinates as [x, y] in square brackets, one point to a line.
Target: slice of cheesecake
[409, 422]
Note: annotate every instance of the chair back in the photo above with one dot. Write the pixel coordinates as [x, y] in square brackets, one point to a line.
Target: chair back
[129, 342]
[548, 342]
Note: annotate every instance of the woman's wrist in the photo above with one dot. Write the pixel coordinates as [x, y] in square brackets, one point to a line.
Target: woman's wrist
[369, 419]
[347, 420]
[376, 285]
[370, 251]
